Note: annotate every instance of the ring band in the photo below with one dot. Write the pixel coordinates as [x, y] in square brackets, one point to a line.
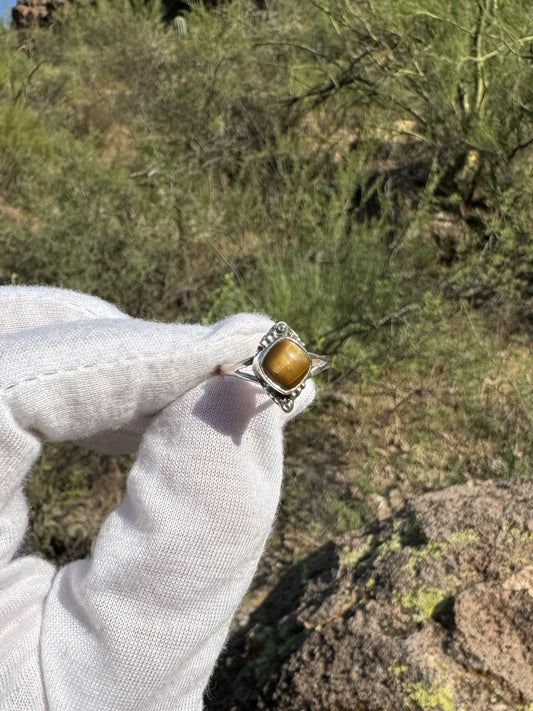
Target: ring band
[282, 365]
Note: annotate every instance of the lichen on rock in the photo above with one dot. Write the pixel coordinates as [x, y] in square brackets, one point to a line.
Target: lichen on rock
[430, 610]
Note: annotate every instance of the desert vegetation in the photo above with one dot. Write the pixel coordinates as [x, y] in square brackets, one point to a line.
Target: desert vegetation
[363, 173]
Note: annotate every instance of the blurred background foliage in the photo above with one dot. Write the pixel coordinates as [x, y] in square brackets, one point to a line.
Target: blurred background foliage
[359, 169]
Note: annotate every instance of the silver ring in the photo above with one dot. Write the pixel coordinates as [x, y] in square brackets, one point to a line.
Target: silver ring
[282, 365]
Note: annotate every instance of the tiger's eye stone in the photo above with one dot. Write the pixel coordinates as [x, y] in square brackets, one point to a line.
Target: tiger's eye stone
[286, 363]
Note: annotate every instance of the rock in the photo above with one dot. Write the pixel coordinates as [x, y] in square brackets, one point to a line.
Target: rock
[27, 14]
[430, 609]
[494, 633]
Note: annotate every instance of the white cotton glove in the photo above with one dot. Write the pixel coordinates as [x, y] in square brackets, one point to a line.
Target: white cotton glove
[140, 625]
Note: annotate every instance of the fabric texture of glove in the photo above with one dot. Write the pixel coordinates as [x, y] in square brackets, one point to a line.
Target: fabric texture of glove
[139, 625]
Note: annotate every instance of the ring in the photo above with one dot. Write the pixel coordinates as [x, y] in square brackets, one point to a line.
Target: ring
[282, 365]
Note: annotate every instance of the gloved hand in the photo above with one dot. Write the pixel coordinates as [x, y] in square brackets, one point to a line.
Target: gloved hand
[139, 625]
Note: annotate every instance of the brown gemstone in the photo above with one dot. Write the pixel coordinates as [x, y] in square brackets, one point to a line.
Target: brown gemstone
[286, 363]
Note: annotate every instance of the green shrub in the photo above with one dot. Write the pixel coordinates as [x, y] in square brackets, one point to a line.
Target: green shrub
[303, 166]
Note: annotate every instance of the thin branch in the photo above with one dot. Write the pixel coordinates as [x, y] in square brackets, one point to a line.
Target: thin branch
[24, 88]
[360, 326]
[345, 78]
[412, 83]
[395, 316]
[294, 45]
[331, 15]
[444, 20]
[499, 50]
[519, 147]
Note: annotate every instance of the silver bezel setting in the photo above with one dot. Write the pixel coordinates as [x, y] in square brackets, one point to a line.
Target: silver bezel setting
[282, 396]
[252, 368]
[257, 365]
